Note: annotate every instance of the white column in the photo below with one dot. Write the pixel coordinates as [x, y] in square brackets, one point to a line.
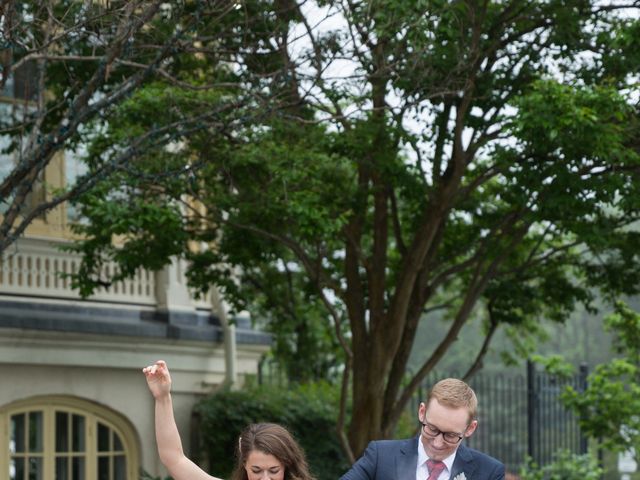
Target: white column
[171, 288]
[229, 332]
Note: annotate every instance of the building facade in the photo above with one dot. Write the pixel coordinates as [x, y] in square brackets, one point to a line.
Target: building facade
[74, 404]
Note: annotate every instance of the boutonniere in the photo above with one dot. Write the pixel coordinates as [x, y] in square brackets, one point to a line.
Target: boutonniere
[460, 476]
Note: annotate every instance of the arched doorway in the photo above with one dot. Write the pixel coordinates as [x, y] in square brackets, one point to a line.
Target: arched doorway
[66, 438]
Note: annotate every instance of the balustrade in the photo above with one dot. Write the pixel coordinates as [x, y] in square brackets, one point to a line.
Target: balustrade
[37, 268]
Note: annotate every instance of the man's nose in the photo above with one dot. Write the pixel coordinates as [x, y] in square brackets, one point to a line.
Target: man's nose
[439, 439]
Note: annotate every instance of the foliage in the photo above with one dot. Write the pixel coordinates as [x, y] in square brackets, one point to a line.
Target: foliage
[65, 68]
[565, 466]
[609, 406]
[307, 411]
[466, 159]
[555, 365]
[147, 476]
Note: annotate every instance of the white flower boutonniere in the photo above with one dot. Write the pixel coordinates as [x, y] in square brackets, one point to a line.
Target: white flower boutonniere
[460, 476]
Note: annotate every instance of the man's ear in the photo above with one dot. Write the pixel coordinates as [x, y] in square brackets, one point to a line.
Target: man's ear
[471, 428]
[422, 410]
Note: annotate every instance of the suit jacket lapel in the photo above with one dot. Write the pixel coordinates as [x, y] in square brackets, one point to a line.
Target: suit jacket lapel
[463, 463]
[407, 461]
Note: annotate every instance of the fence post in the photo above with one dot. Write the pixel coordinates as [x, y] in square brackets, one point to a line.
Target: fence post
[531, 409]
[261, 366]
[583, 372]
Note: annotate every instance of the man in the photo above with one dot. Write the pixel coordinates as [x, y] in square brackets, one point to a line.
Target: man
[437, 453]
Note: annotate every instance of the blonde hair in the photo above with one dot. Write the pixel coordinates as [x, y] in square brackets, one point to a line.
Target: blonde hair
[454, 393]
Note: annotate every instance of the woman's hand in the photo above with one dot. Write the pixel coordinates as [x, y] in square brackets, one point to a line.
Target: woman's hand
[158, 379]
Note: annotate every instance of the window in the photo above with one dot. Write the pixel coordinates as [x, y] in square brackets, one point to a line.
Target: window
[11, 145]
[74, 169]
[22, 83]
[64, 438]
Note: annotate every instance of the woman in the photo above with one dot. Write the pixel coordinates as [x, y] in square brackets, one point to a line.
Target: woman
[265, 450]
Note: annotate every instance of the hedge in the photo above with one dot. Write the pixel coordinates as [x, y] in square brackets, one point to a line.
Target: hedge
[309, 412]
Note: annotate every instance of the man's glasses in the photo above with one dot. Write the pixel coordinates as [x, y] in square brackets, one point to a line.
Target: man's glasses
[432, 432]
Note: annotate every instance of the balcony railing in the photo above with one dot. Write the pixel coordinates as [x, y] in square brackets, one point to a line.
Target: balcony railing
[36, 267]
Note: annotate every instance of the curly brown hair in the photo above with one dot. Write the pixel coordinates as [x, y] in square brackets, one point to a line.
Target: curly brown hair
[271, 439]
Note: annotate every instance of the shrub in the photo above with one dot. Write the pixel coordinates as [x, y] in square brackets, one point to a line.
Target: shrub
[309, 412]
[565, 466]
[144, 475]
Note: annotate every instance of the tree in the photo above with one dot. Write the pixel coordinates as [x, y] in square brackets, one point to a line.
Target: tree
[67, 64]
[457, 157]
[608, 407]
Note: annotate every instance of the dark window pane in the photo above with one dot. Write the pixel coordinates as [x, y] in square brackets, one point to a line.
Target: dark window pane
[6, 59]
[7, 163]
[17, 433]
[62, 432]
[78, 433]
[103, 468]
[119, 467]
[62, 468]
[78, 468]
[103, 438]
[117, 444]
[16, 469]
[7, 90]
[35, 431]
[25, 81]
[35, 468]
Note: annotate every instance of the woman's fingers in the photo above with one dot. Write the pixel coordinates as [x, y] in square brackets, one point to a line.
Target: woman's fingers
[159, 366]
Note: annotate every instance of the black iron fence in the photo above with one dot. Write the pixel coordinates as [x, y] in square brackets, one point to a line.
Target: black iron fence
[522, 416]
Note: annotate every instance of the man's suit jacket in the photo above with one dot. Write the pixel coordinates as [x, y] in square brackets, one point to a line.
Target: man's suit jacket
[398, 460]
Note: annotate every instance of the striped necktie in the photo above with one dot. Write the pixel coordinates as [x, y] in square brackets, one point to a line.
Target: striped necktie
[435, 468]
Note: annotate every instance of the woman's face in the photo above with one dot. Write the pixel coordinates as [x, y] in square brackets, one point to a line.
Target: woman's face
[262, 466]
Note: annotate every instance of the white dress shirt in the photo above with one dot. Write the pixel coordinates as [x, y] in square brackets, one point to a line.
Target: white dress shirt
[422, 472]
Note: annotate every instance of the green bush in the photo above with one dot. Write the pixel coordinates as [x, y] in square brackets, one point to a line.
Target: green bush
[565, 466]
[144, 475]
[309, 412]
